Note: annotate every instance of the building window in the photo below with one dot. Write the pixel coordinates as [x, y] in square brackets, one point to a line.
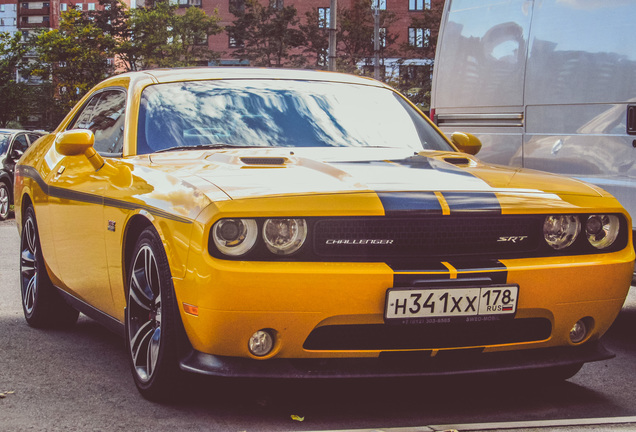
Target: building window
[419, 37]
[379, 4]
[276, 4]
[25, 5]
[63, 7]
[323, 17]
[1, 8]
[233, 43]
[1, 19]
[237, 6]
[418, 5]
[91, 6]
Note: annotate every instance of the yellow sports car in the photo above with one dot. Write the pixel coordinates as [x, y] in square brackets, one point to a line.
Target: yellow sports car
[275, 223]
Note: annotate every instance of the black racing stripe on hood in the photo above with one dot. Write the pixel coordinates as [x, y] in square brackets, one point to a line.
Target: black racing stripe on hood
[481, 202]
[410, 203]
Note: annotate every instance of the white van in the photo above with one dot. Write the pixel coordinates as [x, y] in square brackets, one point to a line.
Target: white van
[544, 84]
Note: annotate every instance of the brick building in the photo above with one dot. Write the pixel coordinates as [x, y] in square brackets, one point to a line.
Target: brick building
[27, 15]
[402, 28]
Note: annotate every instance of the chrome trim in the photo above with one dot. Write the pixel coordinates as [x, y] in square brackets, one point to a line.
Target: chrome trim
[481, 120]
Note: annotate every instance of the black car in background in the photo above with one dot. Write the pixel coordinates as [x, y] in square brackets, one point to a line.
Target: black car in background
[13, 143]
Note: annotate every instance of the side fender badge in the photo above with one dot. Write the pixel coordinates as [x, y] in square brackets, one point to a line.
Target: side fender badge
[111, 225]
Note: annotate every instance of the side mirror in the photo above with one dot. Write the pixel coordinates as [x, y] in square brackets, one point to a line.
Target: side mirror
[465, 142]
[76, 142]
[16, 154]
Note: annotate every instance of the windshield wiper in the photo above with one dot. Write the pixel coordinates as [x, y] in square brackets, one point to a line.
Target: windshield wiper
[204, 147]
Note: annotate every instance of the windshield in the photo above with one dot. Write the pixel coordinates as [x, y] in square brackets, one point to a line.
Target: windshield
[4, 142]
[279, 113]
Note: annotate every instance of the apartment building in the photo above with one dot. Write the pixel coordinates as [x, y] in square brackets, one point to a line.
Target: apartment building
[8, 16]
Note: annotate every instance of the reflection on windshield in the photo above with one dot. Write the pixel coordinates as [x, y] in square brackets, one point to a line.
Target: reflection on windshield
[4, 141]
[273, 113]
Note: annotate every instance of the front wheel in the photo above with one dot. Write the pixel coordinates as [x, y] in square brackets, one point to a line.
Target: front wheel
[42, 304]
[152, 320]
[5, 201]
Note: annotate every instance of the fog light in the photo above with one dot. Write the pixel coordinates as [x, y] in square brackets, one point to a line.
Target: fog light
[261, 343]
[578, 332]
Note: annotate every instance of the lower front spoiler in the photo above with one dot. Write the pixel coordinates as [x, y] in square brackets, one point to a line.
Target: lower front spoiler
[396, 364]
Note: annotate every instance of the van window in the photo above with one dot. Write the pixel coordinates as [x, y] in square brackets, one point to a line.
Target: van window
[579, 45]
[489, 40]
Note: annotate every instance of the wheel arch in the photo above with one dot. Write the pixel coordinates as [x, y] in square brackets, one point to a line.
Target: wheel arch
[135, 226]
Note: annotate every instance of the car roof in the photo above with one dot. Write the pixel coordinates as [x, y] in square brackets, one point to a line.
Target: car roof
[212, 73]
[13, 131]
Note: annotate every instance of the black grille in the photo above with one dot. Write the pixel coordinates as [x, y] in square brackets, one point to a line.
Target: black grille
[431, 236]
[427, 336]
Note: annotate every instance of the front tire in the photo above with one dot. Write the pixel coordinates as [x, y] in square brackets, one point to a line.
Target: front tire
[5, 201]
[42, 305]
[152, 320]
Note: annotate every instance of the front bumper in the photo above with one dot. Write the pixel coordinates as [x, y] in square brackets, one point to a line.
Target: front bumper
[405, 364]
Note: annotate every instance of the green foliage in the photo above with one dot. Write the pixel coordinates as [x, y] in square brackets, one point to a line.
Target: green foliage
[163, 38]
[316, 39]
[264, 35]
[12, 94]
[355, 35]
[76, 56]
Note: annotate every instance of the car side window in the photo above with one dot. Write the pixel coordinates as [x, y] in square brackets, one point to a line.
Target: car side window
[20, 143]
[33, 137]
[104, 115]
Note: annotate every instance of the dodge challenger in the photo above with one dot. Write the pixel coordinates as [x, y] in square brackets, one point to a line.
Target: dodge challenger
[239, 222]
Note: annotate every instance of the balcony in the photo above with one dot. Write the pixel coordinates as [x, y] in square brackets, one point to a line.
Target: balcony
[34, 25]
[31, 12]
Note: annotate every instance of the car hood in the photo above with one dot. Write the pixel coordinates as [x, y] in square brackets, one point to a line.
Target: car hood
[250, 172]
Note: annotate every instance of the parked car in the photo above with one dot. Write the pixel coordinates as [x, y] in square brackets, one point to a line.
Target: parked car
[13, 143]
[243, 222]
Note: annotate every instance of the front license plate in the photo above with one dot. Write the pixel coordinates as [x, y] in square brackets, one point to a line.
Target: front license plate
[421, 304]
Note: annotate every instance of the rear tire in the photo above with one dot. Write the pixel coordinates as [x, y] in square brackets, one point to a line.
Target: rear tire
[152, 320]
[43, 306]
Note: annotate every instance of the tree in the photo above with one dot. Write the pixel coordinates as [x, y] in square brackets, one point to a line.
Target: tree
[316, 34]
[12, 94]
[264, 35]
[414, 80]
[355, 35]
[75, 56]
[161, 38]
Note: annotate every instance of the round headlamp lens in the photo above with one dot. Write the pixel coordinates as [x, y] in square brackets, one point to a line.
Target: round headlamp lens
[235, 237]
[284, 236]
[602, 230]
[561, 231]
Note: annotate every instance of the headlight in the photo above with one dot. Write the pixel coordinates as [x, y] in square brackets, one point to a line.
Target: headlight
[560, 231]
[602, 230]
[284, 236]
[235, 237]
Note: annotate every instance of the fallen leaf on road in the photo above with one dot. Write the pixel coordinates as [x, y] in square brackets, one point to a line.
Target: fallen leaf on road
[297, 418]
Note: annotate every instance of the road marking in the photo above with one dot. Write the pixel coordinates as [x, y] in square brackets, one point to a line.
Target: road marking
[520, 425]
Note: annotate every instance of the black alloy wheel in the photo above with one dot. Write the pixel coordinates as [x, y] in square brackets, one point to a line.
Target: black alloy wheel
[42, 305]
[152, 320]
[5, 201]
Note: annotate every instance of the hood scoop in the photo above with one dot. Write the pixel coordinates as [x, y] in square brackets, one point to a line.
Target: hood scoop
[264, 160]
[457, 160]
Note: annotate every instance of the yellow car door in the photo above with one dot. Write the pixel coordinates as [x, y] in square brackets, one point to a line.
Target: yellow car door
[77, 209]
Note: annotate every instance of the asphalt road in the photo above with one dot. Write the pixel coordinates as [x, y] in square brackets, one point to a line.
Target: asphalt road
[78, 380]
